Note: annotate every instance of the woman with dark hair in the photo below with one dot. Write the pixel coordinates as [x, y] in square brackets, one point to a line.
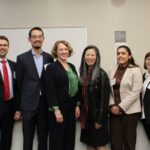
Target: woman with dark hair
[125, 108]
[146, 95]
[94, 90]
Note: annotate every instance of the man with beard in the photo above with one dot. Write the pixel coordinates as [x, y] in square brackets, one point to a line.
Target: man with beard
[30, 74]
[8, 96]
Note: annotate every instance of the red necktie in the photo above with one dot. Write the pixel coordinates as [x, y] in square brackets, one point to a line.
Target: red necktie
[6, 81]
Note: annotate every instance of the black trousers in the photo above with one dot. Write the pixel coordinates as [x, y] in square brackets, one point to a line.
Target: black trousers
[123, 131]
[35, 120]
[62, 136]
[6, 127]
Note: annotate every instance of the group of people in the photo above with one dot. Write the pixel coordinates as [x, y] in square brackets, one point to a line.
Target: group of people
[49, 96]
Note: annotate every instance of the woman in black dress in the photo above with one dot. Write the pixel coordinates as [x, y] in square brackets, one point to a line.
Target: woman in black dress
[94, 90]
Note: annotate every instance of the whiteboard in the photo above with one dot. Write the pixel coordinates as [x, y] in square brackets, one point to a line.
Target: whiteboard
[76, 36]
[18, 38]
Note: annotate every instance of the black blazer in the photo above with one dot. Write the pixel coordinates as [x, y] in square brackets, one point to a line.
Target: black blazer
[146, 102]
[13, 104]
[57, 84]
[98, 95]
[28, 80]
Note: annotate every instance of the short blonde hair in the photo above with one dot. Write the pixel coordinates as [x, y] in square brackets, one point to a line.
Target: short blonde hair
[67, 44]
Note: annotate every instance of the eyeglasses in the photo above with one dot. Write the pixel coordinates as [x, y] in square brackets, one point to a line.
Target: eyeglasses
[37, 37]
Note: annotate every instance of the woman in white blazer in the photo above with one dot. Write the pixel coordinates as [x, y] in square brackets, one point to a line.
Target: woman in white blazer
[125, 108]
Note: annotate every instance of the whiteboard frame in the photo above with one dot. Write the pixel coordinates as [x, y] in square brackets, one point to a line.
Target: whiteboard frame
[75, 35]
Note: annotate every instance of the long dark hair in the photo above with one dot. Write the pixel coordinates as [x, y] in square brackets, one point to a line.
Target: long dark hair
[84, 66]
[131, 62]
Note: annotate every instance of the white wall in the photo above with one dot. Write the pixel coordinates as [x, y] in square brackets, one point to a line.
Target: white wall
[102, 18]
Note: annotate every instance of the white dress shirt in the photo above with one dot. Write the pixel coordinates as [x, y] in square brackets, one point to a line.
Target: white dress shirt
[38, 59]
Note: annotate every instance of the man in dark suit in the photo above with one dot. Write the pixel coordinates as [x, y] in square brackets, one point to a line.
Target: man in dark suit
[8, 96]
[30, 74]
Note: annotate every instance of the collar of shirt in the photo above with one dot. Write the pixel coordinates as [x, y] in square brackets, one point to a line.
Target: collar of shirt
[34, 54]
[147, 75]
[3, 59]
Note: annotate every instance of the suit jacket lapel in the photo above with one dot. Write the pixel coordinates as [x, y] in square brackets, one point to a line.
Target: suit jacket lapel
[32, 63]
[127, 72]
[44, 62]
[44, 58]
[12, 69]
[1, 78]
[113, 72]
